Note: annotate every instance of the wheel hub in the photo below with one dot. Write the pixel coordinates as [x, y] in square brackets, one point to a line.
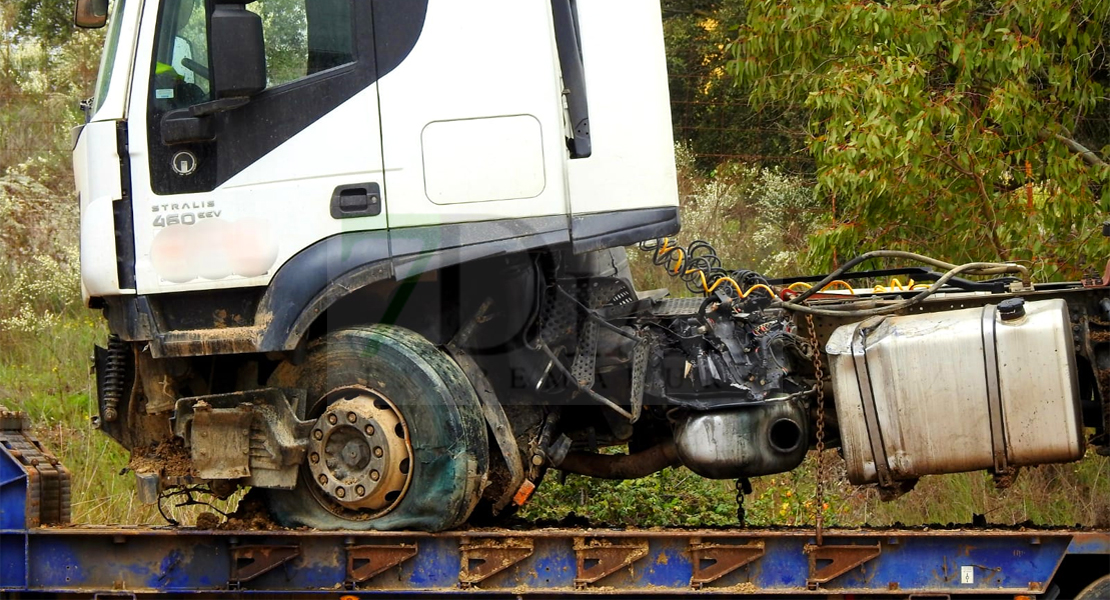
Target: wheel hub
[358, 454]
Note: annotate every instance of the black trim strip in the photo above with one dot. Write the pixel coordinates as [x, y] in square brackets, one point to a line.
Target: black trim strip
[315, 278]
[122, 214]
[568, 43]
[307, 284]
[870, 410]
[621, 228]
[994, 390]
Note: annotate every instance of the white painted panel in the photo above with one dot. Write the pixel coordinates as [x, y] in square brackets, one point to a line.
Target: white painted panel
[632, 164]
[241, 233]
[343, 141]
[475, 59]
[114, 104]
[479, 160]
[95, 153]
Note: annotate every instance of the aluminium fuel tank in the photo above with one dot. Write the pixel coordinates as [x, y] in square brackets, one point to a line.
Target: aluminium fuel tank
[961, 390]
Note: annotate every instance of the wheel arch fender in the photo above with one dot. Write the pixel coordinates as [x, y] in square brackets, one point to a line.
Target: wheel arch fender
[314, 279]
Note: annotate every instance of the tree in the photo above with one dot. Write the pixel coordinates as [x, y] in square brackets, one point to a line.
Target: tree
[49, 20]
[945, 127]
[710, 113]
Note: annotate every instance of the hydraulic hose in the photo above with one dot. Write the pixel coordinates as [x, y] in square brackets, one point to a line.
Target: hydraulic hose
[970, 268]
[978, 268]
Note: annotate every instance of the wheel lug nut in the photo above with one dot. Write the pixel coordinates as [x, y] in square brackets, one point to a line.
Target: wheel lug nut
[361, 491]
[352, 417]
[378, 451]
[332, 418]
[315, 458]
[318, 435]
[374, 475]
[369, 430]
[340, 492]
[323, 479]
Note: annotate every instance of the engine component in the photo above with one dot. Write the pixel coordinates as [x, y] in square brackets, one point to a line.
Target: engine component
[114, 376]
[254, 435]
[744, 441]
[990, 387]
[621, 466]
[721, 356]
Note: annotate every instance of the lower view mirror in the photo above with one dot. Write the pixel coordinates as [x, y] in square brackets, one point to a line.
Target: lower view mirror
[90, 14]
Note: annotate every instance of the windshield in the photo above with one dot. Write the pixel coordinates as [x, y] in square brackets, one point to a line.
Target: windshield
[108, 58]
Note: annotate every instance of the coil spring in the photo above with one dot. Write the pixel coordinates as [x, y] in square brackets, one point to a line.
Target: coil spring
[115, 366]
[699, 267]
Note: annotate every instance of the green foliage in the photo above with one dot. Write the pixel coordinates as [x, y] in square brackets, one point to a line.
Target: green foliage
[710, 113]
[757, 218]
[49, 20]
[941, 127]
[285, 28]
[670, 497]
[1065, 495]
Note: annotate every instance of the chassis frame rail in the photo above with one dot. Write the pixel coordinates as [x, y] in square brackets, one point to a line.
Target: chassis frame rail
[136, 562]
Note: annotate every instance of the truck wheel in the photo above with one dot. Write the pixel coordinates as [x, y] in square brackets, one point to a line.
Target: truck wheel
[399, 440]
[1097, 590]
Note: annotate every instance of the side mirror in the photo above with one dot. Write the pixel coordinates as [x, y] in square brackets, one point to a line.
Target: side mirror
[90, 14]
[236, 51]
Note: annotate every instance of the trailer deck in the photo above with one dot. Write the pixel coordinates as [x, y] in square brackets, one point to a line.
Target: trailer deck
[136, 561]
[42, 557]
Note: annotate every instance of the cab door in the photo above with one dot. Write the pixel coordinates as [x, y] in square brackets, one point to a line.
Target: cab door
[473, 127]
[298, 162]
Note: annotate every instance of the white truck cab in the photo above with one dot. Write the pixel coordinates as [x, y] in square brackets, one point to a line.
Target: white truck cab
[224, 141]
[267, 185]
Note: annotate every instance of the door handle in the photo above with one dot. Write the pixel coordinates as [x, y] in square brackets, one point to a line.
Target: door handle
[356, 200]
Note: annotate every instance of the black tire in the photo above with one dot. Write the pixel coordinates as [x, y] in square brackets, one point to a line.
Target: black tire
[1098, 590]
[447, 432]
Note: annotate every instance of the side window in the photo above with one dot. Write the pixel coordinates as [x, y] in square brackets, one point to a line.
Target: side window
[304, 37]
[181, 70]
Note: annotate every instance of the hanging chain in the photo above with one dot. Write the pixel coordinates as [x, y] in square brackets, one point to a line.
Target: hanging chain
[743, 488]
[819, 499]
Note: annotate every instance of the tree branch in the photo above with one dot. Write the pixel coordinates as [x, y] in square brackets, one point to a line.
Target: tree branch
[1075, 147]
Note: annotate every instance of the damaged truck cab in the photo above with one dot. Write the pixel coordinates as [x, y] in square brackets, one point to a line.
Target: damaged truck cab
[367, 257]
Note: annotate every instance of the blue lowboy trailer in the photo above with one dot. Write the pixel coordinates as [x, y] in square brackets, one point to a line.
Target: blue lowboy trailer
[59, 560]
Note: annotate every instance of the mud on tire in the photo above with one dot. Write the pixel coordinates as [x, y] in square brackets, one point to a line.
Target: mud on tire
[450, 450]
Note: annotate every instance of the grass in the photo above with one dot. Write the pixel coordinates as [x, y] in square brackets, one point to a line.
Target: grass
[1076, 494]
[47, 375]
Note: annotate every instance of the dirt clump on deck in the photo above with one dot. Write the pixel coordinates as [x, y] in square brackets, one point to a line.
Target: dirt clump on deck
[169, 458]
[250, 515]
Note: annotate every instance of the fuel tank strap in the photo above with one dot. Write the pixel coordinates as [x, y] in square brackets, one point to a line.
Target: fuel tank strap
[994, 394]
[867, 396]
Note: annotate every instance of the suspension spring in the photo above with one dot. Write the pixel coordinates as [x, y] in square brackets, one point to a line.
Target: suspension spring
[115, 367]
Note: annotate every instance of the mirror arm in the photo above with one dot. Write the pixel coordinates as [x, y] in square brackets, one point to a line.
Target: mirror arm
[194, 124]
[216, 106]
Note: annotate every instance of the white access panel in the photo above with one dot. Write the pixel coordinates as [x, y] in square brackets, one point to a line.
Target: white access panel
[632, 164]
[487, 60]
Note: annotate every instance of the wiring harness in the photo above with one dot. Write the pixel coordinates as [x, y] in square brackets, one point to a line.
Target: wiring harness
[699, 267]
